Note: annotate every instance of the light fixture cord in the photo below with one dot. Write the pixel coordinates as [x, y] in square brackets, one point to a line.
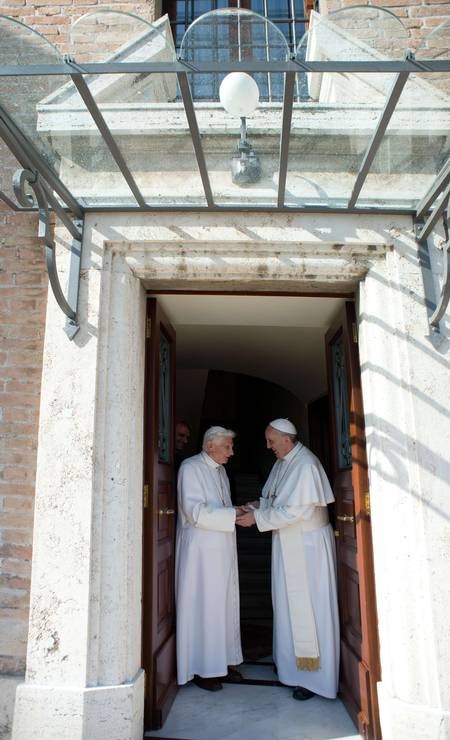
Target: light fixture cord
[243, 142]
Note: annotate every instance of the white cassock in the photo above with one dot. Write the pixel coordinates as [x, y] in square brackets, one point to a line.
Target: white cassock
[206, 575]
[293, 505]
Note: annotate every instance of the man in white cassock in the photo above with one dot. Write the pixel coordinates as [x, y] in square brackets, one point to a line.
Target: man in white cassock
[293, 505]
[206, 581]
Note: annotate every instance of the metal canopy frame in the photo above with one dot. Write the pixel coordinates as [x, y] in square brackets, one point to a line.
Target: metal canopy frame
[42, 180]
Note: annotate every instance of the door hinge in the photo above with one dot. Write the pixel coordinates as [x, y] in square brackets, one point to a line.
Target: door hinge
[355, 333]
[366, 500]
[146, 495]
[148, 329]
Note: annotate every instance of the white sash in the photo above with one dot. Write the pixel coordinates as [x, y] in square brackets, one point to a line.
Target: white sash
[301, 613]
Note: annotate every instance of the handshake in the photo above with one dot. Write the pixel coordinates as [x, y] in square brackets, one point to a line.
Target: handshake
[245, 516]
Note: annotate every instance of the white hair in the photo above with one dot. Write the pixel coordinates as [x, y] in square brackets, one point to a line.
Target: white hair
[215, 432]
[292, 437]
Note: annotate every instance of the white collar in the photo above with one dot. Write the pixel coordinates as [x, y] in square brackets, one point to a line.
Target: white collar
[292, 453]
[209, 461]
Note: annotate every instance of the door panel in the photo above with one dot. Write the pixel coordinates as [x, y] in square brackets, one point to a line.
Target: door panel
[351, 691]
[360, 666]
[158, 640]
[164, 662]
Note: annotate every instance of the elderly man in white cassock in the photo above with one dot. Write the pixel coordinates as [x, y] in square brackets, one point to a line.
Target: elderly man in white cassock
[293, 505]
[207, 585]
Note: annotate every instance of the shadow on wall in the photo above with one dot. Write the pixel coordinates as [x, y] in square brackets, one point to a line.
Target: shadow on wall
[394, 450]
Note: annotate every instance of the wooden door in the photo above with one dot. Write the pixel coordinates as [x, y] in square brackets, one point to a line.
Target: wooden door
[360, 666]
[158, 639]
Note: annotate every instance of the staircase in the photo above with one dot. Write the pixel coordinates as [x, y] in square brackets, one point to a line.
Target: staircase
[254, 553]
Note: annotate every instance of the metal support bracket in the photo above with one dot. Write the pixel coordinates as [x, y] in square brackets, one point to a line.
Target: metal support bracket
[440, 304]
[25, 180]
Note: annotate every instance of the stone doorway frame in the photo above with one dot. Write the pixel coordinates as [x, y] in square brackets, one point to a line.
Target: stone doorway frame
[84, 662]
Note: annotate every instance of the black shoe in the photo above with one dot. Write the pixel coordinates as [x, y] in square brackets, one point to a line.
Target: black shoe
[233, 675]
[209, 684]
[302, 694]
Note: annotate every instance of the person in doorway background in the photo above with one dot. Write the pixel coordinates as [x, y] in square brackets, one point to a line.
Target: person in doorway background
[293, 505]
[182, 435]
[206, 571]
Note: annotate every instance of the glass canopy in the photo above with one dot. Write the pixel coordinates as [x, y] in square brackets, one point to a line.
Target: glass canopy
[354, 122]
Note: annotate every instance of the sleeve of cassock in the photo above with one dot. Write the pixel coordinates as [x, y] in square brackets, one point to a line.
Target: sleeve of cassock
[302, 491]
[277, 517]
[192, 500]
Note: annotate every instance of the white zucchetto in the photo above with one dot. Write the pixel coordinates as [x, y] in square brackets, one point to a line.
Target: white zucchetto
[283, 425]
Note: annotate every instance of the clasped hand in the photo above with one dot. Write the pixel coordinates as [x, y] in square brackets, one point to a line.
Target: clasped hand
[245, 515]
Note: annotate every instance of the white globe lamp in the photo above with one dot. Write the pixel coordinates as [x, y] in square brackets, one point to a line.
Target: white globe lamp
[239, 94]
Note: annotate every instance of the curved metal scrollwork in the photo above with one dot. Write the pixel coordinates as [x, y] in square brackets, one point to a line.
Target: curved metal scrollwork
[23, 181]
[444, 298]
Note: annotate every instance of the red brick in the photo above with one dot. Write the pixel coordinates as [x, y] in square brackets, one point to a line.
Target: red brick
[17, 503]
[27, 385]
[16, 582]
[433, 21]
[32, 344]
[51, 10]
[16, 474]
[16, 424]
[18, 399]
[426, 10]
[13, 666]
[47, 30]
[19, 435]
[412, 22]
[31, 277]
[47, 19]
[22, 331]
[33, 373]
[6, 278]
[17, 415]
[13, 12]
[14, 567]
[19, 536]
[26, 230]
[13, 491]
[393, 3]
[401, 13]
[14, 599]
[19, 615]
[24, 357]
[17, 303]
[23, 552]
[57, 35]
[17, 518]
[40, 3]
[14, 457]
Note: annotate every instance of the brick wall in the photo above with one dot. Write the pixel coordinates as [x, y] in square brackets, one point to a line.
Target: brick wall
[420, 17]
[23, 297]
[52, 18]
